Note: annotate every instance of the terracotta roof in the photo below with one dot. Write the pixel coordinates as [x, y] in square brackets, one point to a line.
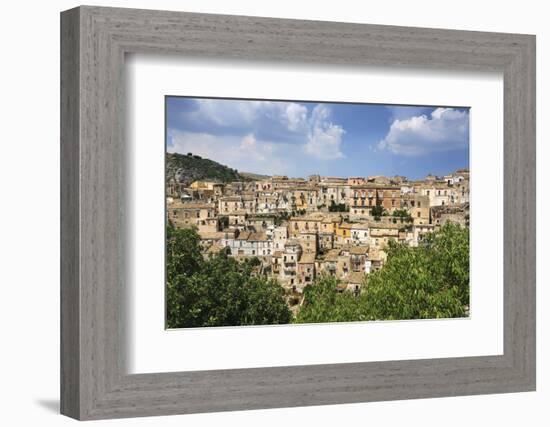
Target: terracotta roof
[355, 277]
[346, 225]
[332, 255]
[309, 217]
[215, 248]
[307, 258]
[386, 225]
[207, 235]
[243, 235]
[257, 237]
[359, 250]
[177, 205]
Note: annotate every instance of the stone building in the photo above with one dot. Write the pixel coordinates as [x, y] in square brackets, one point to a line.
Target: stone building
[305, 270]
[288, 222]
[199, 215]
[418, 206]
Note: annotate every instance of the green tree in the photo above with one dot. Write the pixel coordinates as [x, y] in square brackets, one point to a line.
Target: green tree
[218, 291]
[324, 303]
[341, 207]
[403, 214]
[431, 281]
[377, 211]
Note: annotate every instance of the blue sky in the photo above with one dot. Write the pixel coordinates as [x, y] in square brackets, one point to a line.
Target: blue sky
[298, 138]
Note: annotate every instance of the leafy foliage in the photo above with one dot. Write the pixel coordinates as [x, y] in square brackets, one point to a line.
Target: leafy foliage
[403, 214]
[281, 217]
[341, 207]
[323, 303]
[377, 211]
[431, 281]
[218, 291]
[195, 168]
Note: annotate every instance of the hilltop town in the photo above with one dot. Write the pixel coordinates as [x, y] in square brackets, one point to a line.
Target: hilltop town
[301, 228]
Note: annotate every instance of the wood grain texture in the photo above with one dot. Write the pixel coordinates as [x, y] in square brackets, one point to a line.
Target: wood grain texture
[94, 272]
[70, 297]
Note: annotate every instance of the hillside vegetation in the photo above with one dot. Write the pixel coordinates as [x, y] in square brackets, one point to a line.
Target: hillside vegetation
[187, 168]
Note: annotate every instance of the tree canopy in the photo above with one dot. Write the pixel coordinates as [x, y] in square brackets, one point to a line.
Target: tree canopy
[377, 211]
[218, 291]
[431, 281]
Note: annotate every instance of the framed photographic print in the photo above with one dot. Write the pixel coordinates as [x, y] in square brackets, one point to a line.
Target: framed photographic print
[284, 242]
[261, 213]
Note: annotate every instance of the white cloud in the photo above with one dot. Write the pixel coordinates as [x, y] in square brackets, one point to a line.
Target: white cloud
[245, 154]
[446, 129]
[296, 116]
[283, 123]
[248, 142]
[289, 116]
[324, 138]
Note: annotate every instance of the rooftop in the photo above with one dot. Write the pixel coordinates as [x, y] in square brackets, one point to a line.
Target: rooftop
[359, 250]
[307, 258]
[211, 235]
[355, 277]
[257, 237]
[190, 205]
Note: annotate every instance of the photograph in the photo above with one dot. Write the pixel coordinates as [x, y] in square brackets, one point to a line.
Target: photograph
[292, 212]
[263, 213]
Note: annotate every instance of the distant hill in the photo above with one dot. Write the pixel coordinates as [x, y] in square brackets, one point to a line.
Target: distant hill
[254, 176]
[187, 168]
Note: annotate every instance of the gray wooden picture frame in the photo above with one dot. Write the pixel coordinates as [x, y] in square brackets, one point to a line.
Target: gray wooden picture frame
[94, 41]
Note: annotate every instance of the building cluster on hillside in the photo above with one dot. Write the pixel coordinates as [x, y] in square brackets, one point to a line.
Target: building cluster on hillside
[302, 228]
